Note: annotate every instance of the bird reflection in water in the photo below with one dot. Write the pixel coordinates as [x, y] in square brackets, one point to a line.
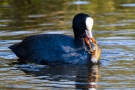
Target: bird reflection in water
[93, 77]
[89, 81]
[79, 77]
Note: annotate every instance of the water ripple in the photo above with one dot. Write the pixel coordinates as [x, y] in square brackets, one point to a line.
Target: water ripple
[128, 5]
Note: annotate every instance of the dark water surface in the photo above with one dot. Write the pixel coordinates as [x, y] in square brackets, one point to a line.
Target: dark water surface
[114, 29]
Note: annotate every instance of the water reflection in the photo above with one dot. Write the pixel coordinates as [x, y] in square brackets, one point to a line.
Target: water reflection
[83, 77]
[26, 15]
[128, 5]
[79, 2]
[91, 81]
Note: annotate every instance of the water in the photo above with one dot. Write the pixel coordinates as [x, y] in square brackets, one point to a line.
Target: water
[113, 29]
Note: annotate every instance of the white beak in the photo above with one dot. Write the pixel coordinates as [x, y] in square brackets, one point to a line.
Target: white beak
[89, 25]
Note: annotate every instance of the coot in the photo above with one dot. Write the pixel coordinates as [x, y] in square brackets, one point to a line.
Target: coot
[58, 48]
